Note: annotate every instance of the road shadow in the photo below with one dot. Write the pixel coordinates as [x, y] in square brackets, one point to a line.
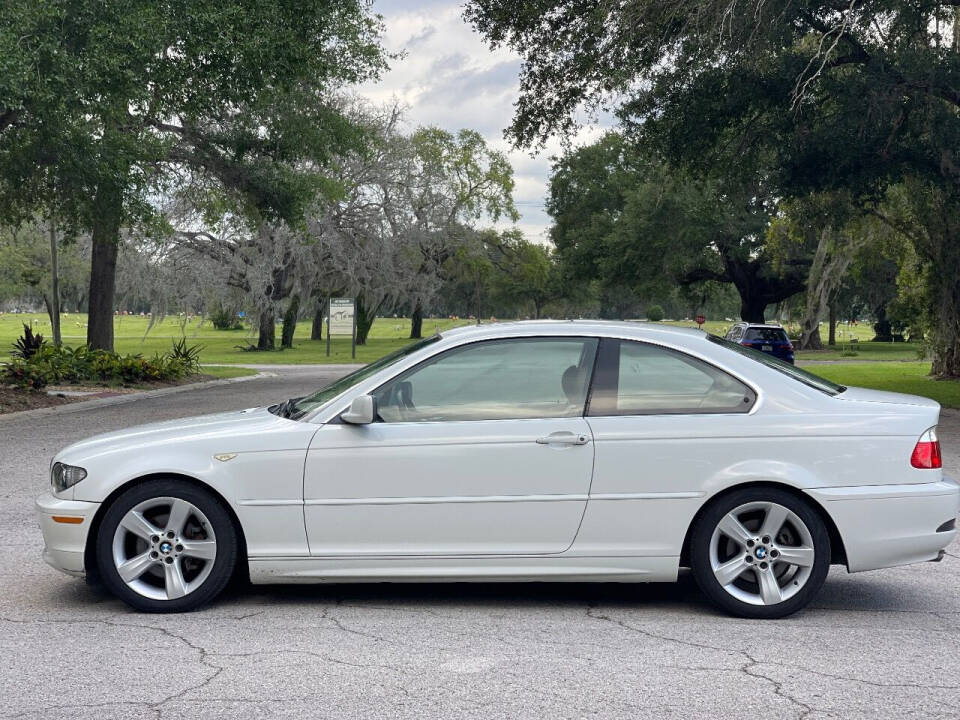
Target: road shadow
[864, 594]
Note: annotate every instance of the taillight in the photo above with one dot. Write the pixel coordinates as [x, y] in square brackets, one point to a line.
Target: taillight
[926, 455]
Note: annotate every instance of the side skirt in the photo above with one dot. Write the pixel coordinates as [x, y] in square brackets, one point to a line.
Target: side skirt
[264, 571]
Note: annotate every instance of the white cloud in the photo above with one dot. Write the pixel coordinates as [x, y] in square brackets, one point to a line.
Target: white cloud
[450, 78]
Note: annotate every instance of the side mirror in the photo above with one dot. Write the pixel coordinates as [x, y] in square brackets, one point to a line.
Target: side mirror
[362, 411]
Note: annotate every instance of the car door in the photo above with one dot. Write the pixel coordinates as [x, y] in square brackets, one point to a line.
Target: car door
[481, 449]
[664, 423]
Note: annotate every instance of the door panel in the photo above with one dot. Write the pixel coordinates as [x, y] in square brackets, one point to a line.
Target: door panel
[435, 488]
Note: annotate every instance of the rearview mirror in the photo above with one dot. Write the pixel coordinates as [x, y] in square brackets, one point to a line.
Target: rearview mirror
[362, 411]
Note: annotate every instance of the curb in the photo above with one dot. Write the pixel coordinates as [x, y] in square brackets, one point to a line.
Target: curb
[127, 398]
[333, 367]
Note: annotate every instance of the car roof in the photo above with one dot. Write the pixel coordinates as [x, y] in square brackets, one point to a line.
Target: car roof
[629, 328]
[771, 326]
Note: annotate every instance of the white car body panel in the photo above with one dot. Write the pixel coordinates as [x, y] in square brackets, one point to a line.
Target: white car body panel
[320, 501]
[461, 488]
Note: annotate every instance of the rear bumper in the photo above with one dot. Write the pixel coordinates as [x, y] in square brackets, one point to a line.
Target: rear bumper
[65, 525]
[887, 525]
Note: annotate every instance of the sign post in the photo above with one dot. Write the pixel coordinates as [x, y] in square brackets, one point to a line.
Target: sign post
[342, 320]
[701, 319]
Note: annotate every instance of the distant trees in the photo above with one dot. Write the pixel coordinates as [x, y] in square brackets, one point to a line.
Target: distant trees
[626, 218]
[101, 103]
[809, 97]
[404, 206]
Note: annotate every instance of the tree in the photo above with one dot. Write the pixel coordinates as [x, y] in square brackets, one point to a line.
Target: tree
[632, 220]
[838, 230]
[451, 181]
[527, 271]
[238, 91]
[26, 269]
[828, 95]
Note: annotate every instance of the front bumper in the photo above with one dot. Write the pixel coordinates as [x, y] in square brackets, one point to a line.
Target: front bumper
[887, 525]
[65, 525]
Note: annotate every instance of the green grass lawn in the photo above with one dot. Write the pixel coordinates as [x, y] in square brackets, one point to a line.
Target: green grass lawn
[219, 346]
[904, 377]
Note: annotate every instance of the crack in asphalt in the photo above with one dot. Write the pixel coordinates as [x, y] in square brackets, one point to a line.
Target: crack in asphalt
[205, 657]
[753, 665]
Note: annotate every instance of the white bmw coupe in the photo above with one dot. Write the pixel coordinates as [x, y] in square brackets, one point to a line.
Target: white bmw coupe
[528, 451]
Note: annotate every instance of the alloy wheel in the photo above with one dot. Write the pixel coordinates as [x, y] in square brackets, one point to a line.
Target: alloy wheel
[164, 548]
[762, 553]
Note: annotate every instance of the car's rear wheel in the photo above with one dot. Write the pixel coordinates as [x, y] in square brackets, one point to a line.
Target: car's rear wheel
[166, 546]
[760, 552]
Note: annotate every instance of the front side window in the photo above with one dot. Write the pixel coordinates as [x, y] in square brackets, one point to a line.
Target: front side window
[494, 380]
[301, 406]
[635, 378]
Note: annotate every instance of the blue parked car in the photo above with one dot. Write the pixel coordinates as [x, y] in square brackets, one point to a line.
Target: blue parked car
[770, 339]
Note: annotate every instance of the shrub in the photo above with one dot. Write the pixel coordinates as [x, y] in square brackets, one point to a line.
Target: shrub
[189, 357]
[26, 346]
[81, 364]
[654, 313]
[225, 319]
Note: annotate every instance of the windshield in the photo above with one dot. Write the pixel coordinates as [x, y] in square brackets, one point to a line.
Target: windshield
[807, 378]
[297, 408]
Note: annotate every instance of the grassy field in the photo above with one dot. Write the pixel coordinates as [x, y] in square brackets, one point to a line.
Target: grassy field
[220, 346]
[906, 377]
[903, 373]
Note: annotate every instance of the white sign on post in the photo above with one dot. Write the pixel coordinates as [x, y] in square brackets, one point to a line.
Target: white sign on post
[341, 316]
[342, 320]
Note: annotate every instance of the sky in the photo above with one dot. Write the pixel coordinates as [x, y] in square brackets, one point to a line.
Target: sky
[450, 78]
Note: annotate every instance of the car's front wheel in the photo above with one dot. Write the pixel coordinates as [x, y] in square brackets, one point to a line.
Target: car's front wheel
[166, 546]
[760, 552]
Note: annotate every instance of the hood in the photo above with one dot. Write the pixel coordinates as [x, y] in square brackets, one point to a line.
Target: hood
[891, 398]
[244, 430]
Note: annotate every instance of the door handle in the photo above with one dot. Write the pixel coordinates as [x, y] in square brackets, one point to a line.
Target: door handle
[563, 438]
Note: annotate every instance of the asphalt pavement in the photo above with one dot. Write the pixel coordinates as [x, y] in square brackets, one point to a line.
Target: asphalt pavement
[877, 644]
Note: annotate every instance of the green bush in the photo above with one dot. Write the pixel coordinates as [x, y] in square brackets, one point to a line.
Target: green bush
[654, 313]
[225, 319]
[51, 364]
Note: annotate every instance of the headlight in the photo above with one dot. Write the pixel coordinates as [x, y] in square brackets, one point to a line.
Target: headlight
[63, 476]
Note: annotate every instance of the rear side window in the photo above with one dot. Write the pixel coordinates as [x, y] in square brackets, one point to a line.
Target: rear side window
[807, 378]
[635, 378]
[766, 335]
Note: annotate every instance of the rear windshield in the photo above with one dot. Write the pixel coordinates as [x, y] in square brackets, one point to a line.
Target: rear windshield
[807, 378]
[766, 335]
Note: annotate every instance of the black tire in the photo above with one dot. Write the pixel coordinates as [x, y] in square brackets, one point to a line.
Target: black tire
[708, 521]
[224, 562]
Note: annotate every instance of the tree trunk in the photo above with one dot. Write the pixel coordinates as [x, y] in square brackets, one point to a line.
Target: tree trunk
[54, 287]
[108, 212]
[945, 303]
[364, 319]
[832, 340]
[290, 322]
[268, 331]
[316, 330]
[813, 340]
[882, 331]
[752, 308]
[103, 271]
[416, 322]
